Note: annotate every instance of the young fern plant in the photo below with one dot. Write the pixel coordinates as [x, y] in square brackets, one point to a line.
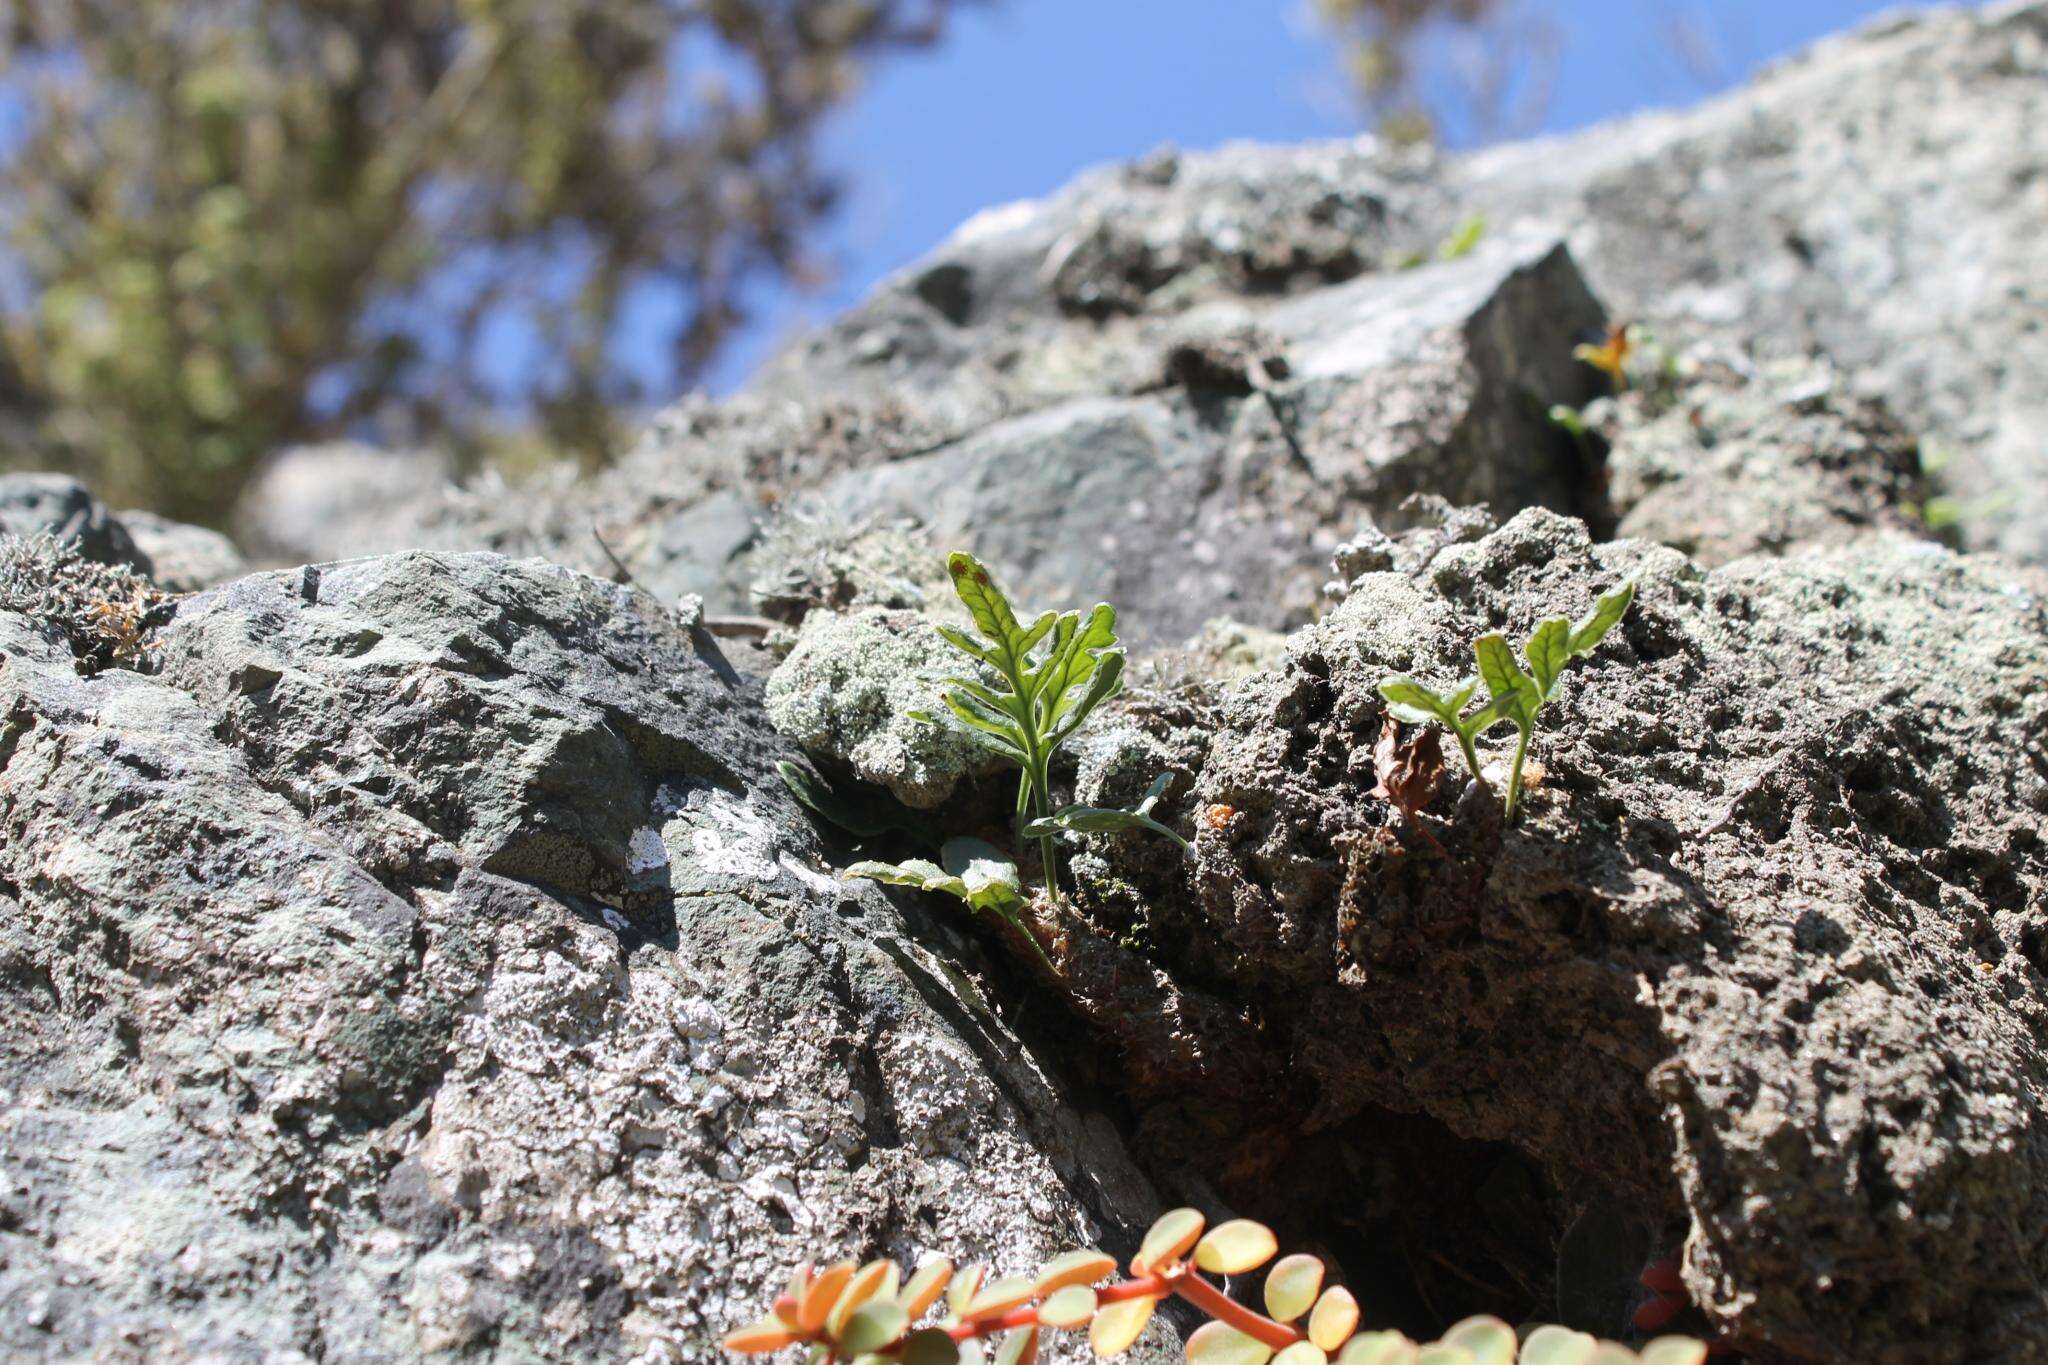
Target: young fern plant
[1043, 694]
[1514, 693]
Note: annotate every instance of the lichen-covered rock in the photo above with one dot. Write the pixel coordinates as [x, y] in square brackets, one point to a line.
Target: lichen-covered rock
[1763, 954]
[427, 964]
[1725, 463]
[844, 691]
[813, 558]
[103, 613]
[1876, 199]
[1223, 484]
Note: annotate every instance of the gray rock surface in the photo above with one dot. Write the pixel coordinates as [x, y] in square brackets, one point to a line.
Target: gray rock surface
[1878, 198]
[184, 558]
[340, 500]
[417, 955]
[1734, 459]
[845, 688]
[62, 508]
[423, 962]
[1763, 961]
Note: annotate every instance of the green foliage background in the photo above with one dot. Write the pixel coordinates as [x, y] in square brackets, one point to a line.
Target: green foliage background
[233, 224]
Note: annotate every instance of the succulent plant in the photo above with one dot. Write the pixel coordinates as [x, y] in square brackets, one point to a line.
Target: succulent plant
[871, 1313]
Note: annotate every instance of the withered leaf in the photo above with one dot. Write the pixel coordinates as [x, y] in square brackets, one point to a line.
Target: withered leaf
[1409, 774]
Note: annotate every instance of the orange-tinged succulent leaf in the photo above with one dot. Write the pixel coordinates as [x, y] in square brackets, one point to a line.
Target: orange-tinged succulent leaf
[1292, 1285]
[1119, 1324]
[1335, 1318]
[1218, 1343]
[1068, 1307]
[1236, 1247]
[1558, 1346]
[970, 1353]
[1076, 1267]
[874, 1326]
[866, 1283]
[1437, 1353]
[1491, 1341]
[925, 1286]
[1675, 1351]
[999, 1297]
[821, 1294]
[932, 1346]
[1379, 1348]
[1019, 1347]
[1302, 1353]
[760, 1338]
[1168, 1240]
[966, 1284]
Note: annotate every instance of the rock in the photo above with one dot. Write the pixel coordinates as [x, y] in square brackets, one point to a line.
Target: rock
[843, 692]
[1877, 198]
[104, 614]
[341, 500]
[1732, 463]
[425, 962]
[1780, 889]
[61, 507]
[184, 558]
[1227, 493]
[815, 559]
[1214, 477]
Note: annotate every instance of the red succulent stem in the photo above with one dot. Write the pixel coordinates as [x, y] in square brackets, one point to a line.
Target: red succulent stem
[1179, 1280]
[1225, 1309]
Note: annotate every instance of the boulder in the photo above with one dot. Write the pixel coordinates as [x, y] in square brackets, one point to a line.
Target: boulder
[422, 960]
[184, 558]
[1760, 963]
[1729, 458]
[62, 508]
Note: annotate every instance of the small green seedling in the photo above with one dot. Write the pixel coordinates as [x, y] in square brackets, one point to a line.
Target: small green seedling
[1572, 419]
[1042, 696]
[972, 869]
[1514, 693]
[1464, 239]
[1106, 820]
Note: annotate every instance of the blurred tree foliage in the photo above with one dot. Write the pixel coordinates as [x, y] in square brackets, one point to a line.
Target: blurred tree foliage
[1495, 72]
[234, 224]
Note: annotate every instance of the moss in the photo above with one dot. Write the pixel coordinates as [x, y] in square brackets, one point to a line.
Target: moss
[105, 612]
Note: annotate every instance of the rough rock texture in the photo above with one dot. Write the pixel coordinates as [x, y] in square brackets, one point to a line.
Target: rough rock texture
[424, 961]
[1200, 459]
[417, 955]
[1878, 198]
[1767, 945]
[1732, 460]
[844, 691]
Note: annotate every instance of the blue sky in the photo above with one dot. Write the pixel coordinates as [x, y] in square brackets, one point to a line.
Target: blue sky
[1024, 94]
